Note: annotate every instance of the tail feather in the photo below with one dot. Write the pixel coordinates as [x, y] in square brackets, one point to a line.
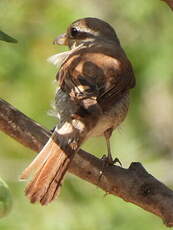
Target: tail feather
[55, 186]
[37, 162]
[47, 181]
[52, 162]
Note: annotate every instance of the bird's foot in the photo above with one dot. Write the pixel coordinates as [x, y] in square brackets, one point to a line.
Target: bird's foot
[108, 160]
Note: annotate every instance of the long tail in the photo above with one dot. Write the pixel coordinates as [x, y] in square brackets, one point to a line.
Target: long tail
[50, 165]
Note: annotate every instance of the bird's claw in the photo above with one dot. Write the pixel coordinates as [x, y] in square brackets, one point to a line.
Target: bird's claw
[110, 161]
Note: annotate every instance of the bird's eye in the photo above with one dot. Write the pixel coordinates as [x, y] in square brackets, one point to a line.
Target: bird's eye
[74, 31]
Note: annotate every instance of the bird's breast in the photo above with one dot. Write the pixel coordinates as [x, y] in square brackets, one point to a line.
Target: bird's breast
[112, 118]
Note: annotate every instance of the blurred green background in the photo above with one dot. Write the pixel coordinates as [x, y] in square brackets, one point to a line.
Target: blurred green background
[26, 81]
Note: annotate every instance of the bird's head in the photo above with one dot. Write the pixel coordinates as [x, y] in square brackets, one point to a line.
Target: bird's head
[87, 30]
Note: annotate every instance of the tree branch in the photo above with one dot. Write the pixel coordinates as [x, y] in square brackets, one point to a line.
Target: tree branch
[133, 185]
[169, 2]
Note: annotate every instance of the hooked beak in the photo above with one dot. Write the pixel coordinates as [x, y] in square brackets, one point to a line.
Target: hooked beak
[61, 40]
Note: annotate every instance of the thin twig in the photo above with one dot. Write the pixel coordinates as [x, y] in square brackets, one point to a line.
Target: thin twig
[133, 185]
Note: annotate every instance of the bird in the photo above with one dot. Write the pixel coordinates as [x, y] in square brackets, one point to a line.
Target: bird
[95, 77]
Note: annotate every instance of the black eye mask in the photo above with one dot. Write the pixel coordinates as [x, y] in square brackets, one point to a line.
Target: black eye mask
[75, 33]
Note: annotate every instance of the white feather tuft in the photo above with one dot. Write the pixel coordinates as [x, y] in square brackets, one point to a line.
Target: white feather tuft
[58, 59]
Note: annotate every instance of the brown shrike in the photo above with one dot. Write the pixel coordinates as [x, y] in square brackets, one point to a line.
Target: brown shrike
[95, 77]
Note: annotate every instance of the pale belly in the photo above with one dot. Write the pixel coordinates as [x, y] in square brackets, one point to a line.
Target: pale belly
[112, 119]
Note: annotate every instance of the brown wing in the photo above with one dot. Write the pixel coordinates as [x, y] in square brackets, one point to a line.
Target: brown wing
[99, 72]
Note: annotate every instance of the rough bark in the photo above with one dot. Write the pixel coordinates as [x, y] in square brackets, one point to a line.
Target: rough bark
[133, 184]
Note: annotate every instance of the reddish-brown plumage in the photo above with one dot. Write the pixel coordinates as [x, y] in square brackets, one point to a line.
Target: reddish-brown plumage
[95, 79]
[47, 182]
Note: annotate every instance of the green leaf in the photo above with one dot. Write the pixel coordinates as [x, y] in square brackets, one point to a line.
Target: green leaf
[6, 37]
[5, 199]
